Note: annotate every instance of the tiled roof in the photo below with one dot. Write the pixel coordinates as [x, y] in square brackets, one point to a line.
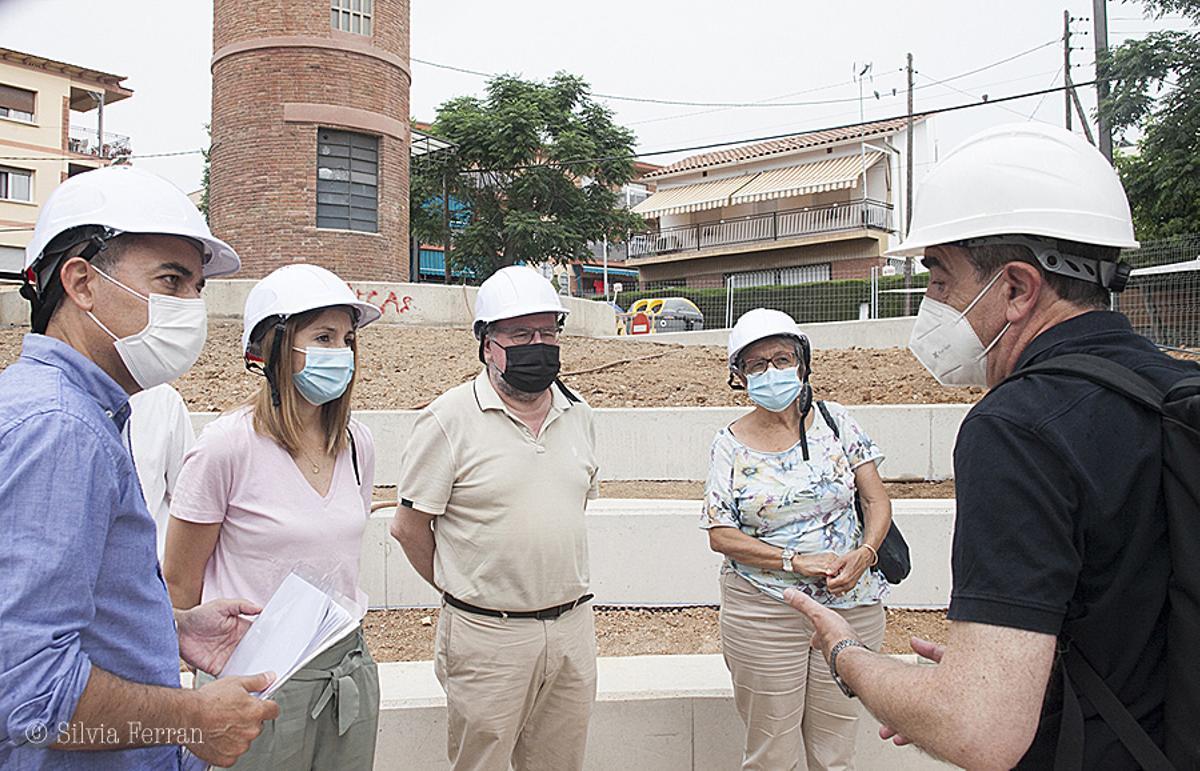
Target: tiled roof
[790, 144]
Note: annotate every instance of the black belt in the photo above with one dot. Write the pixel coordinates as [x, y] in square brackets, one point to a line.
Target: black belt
[545, 613]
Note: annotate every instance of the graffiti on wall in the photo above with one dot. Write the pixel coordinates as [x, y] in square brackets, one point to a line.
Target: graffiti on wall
[389, 302]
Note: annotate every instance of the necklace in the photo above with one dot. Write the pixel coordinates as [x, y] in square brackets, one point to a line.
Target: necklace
[316, 467]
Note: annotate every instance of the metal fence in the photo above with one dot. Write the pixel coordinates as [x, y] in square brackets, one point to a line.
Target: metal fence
[806, 293]
[1162, 300]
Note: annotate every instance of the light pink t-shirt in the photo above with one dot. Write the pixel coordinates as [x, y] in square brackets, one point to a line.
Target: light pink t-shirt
[272, 520]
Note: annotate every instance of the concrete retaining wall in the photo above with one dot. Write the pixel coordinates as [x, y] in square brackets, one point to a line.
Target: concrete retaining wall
[673, 442]
[14, 310]
[416, 304]
[876, 333]
[652, 553]
[658, 713]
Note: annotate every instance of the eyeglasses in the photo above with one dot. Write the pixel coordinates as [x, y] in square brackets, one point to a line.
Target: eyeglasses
[781, 361]
[524, 335]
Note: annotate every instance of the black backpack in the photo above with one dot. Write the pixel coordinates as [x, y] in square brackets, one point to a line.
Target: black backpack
[1179, 409]
[894, 561]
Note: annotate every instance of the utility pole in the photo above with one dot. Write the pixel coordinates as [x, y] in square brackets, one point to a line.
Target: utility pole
[1070, 95]
[1100, 34]
[1067, 106]
[908, 187]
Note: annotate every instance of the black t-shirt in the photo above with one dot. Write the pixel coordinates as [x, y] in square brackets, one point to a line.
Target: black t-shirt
[1060, 524]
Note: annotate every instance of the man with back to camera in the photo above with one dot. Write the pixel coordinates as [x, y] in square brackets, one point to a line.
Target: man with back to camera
[89, 666]
[1060, 554]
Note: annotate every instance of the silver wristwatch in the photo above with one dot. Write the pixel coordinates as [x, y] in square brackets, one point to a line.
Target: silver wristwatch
[842, 645]
[787, 555]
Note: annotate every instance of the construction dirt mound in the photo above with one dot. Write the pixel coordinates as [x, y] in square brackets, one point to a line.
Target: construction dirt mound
[406, 367]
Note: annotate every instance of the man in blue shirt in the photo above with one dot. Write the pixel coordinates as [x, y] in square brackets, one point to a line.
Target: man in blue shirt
[89, 664]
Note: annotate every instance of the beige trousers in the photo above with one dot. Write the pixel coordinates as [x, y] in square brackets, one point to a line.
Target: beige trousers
[795, 714]
[518, 691]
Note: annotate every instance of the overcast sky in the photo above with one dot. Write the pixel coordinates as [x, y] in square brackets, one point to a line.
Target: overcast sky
[683, 50]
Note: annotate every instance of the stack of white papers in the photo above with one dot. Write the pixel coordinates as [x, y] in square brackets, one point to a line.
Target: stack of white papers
[297, 624]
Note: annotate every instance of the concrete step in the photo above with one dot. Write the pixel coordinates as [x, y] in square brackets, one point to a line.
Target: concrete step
[648, 553]
[673, 442]
[652, 713]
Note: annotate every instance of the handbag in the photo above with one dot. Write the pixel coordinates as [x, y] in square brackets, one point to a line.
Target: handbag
[894, 562]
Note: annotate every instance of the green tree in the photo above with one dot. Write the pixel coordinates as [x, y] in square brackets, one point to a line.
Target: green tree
[537, 166]
[1155, 94]
[205, 153]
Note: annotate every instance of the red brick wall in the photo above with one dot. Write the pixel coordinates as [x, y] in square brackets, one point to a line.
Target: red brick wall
[858, 268]
[262, 194]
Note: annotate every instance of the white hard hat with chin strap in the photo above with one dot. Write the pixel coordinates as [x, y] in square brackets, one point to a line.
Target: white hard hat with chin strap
[511, 292]
[99, 205]
[759, 324]
[1028, 184]
[288, 291]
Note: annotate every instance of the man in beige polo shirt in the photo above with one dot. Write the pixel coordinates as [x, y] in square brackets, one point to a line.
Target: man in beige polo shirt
[492, 491]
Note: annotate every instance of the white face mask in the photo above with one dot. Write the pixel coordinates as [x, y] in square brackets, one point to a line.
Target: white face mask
[943, 340]
[169, 344]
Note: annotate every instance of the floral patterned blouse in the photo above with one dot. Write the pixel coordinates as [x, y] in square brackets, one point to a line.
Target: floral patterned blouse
[781, 499]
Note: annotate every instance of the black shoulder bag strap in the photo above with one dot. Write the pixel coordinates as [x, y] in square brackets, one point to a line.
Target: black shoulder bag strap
[1077, 671]
[354, 456]
[571, 397]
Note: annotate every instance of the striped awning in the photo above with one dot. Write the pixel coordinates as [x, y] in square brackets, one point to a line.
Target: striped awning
[689, 198]
[819, 177]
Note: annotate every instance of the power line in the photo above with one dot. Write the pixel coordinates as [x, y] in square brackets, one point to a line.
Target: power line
[1043, 99]
[712, 145]
[944, 84]
[742, 105]
[138, 156]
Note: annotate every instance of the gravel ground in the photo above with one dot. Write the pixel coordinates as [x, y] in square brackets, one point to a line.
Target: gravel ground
[407, 635]
[406, 367]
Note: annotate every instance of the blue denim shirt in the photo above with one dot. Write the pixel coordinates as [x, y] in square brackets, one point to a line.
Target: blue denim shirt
[80, 584]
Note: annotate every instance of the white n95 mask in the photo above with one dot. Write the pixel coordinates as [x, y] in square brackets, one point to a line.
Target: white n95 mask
[944, 342]
[169, 344]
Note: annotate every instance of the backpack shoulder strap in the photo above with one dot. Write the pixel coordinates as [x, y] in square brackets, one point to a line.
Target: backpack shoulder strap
[829, 421]
[1103, 372]
[1131, 734]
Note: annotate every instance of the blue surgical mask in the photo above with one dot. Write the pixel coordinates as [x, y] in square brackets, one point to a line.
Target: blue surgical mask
[326, 373]
[775, 389]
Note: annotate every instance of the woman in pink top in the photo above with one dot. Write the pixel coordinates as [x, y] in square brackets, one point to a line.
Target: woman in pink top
[284, 483]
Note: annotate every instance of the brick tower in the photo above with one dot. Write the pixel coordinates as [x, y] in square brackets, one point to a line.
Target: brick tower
[310, 135]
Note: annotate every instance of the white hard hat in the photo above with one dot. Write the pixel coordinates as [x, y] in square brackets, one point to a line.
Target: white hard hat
[761, 323]
[511, 292]
[298, 288]
[1020, 179]
[127, 200]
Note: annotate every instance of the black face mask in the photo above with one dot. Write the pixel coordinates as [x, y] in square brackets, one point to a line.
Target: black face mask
[530, 368]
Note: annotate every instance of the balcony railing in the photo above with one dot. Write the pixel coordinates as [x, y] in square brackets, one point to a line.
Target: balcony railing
[87, 141]
[775, 226]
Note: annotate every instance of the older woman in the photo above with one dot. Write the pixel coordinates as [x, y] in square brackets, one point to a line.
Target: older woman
[284, 483]
[779, 504]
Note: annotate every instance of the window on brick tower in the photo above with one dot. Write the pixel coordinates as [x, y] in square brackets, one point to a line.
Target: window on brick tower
[351, 15]
[347, 181]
